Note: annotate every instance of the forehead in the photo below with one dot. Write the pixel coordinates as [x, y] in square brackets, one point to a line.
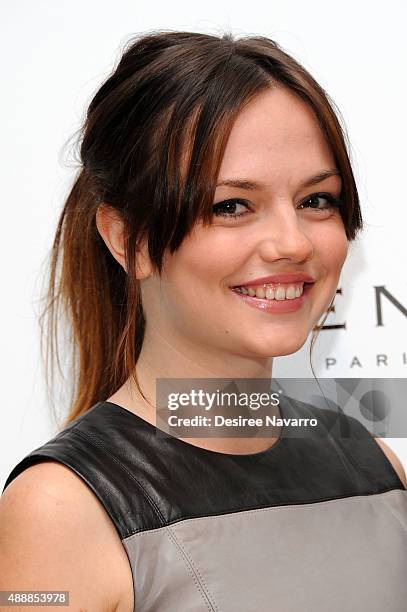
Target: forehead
[275, 138]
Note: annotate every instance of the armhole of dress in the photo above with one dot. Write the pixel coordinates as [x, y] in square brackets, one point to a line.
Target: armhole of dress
[363, 433]
[388, 461]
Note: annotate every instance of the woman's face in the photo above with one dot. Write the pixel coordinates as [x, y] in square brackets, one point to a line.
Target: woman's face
[284, 227]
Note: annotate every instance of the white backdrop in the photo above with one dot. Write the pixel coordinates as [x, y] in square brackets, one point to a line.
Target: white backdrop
[54, 56]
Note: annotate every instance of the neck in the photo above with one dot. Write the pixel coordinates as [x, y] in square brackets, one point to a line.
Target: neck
[162, 359]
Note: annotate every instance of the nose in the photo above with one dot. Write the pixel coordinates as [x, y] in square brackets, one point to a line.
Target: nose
[283, 236]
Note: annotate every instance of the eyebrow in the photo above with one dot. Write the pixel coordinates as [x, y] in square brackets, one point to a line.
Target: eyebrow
[242, 183]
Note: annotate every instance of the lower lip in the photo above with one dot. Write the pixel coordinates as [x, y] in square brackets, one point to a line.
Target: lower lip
[276, 306]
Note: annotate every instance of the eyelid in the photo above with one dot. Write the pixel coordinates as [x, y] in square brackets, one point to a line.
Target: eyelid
[309, 195]
[232, 199]
[321, 194]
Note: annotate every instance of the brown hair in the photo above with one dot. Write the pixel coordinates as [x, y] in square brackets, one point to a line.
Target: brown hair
[169, 105]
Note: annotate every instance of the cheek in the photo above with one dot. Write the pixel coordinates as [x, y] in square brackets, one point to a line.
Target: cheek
[192, 294]
[338, 250]
[330, 250]
[206, 258]
[196, 282]
[331, 247]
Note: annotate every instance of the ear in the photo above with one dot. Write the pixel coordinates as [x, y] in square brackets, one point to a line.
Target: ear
[110, 226]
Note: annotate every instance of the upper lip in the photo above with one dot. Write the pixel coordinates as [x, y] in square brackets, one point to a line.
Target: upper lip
[289, 277]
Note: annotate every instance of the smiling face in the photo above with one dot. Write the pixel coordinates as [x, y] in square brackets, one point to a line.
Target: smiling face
[283, 227]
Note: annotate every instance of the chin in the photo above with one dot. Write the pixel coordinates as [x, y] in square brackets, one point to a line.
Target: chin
[279, 347]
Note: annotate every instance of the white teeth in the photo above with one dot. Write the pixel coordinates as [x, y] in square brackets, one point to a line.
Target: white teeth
[281, 292]
[290, 293]
[270, 293]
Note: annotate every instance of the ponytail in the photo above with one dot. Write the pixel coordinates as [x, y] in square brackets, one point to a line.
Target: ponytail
[87, 291]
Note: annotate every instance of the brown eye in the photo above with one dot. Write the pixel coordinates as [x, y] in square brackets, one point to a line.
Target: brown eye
[231, 208]
[314, 202]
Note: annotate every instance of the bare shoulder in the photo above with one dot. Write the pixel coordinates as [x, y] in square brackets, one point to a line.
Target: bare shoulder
[394, 460]
[56, 535]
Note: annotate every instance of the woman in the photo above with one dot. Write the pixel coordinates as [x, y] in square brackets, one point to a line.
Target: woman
[204, 235]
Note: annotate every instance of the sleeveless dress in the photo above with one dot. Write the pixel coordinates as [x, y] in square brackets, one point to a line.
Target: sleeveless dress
[316, 523]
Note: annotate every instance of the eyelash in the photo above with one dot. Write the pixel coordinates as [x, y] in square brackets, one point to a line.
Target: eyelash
[333, 202]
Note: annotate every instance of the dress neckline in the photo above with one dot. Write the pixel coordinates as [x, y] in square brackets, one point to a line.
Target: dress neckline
[283, 406]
